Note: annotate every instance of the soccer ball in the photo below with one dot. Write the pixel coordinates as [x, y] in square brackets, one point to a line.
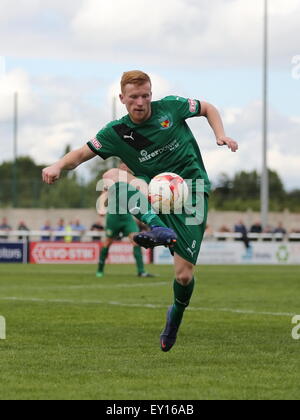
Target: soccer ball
[168, 193]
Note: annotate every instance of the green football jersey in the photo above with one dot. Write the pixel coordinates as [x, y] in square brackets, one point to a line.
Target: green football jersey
[163, 143]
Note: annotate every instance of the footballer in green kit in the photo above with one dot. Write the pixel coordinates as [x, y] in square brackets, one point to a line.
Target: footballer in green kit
[151, 139]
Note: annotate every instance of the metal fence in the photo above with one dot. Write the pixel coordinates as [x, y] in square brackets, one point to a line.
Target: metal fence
[98, 235]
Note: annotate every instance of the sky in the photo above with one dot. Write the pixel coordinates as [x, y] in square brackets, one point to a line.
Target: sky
[65, 60]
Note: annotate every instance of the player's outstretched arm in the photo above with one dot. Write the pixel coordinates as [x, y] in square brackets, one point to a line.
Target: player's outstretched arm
[67, 163]
[214, 118]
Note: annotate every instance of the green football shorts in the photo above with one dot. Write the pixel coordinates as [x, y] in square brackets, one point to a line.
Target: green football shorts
[190, 231]
[120, 224]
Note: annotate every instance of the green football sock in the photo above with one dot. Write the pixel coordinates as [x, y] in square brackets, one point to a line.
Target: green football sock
[137, 252]
[103, 256]
[182, 296]
[134, 202]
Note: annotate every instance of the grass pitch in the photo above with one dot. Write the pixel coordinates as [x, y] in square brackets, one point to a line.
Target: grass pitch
[72, 336]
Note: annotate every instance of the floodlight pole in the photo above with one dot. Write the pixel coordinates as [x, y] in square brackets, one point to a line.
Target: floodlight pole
[265, 174]
[114, 117]
[114, 108]
[15, 151]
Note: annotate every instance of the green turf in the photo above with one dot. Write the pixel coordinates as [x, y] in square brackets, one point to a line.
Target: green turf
[72, 336]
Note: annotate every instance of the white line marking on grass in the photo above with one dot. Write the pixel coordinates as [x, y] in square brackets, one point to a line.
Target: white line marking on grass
[110, 286]
[242, 311]
[139, 305]
[81, 273]
[91, 286]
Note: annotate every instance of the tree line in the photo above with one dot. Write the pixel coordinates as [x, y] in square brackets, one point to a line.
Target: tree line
[21, 186]
[242, 192]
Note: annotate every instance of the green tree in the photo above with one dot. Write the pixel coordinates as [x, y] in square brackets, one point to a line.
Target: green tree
[243, 192]
[28, 183]
[240, 192]
[293, 200]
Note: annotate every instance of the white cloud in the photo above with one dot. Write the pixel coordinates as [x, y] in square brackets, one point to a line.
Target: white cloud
[223, 33]
[47, 121]
[277, 7]
[29, 10]
[10, 83]
[19, 9]
[287, 165]
[134, 23]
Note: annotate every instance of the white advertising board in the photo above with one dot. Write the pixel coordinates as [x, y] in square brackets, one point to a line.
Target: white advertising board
[223, 252]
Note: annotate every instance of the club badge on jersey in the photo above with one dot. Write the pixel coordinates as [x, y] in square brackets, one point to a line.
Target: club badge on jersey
[165, 122]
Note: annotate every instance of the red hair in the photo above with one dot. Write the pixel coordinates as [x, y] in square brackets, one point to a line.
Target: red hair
[134, 77]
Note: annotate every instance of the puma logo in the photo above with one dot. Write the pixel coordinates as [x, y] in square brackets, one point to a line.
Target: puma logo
[191, 252]
[129, 137]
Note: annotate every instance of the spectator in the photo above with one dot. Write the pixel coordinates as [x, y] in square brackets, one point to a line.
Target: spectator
[295, 231]
[78, 227]
[223, 229]
[22, 226]
[46, 228]
[295, 239]
[256, 228]
[97, 227]
[280, 229]
[209, 233]
[69, 229]
[268, 229]
[60, 228]
[5, 227]
[241, 228]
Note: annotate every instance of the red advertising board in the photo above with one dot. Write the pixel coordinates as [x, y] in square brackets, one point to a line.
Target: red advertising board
[81, 253]
[63, 253]
[122, 253]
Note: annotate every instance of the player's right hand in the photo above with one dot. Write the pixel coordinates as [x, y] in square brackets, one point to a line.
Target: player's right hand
[51, 174]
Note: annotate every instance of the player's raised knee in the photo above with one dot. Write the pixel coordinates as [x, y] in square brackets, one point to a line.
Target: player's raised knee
[117, 175]
[184, 279]
[112, 174]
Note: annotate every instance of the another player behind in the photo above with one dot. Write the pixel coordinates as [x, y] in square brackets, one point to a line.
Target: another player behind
[116, 226]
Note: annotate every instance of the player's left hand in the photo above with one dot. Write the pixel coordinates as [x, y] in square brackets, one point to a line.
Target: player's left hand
[231, 144]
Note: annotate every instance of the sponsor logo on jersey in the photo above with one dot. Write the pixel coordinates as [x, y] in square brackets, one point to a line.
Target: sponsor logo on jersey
[96, 144]
[171, 147]
[193, 105]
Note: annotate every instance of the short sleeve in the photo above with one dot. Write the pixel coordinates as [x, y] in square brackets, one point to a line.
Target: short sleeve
[103, 144]
[185, 108]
